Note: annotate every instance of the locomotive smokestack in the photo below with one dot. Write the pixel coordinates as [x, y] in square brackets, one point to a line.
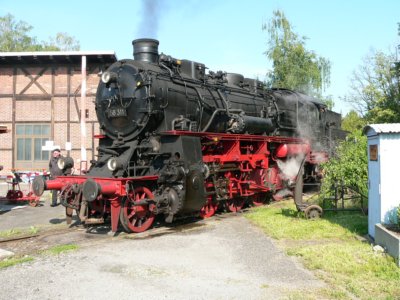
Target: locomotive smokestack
[145, 50]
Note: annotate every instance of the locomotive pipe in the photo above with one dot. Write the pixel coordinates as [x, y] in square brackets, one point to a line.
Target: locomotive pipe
[39, 185]
[91, 189]
[224, 101]
[205, 128]
[82, 211]
[54, 184]
[108, 151]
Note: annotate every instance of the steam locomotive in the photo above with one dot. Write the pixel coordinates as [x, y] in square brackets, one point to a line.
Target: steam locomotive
[177, 141]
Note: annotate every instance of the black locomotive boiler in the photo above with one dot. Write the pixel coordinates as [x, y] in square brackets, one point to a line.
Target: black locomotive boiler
[177, 140]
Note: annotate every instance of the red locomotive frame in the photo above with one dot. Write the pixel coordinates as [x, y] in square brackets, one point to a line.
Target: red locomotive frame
[245, 168]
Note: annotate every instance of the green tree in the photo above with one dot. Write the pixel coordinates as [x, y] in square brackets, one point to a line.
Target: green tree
[294, 66]
[64, 42]
[15, 36]
[349, 165]
[353, 122]
[375, 88]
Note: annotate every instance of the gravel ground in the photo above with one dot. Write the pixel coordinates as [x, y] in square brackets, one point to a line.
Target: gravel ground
[221, 258]
[21, 215]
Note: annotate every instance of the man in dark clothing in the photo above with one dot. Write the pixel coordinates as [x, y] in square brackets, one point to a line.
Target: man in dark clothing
[54, 172]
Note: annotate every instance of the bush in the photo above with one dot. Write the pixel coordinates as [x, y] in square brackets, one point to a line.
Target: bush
[398, 215]
[349, 165]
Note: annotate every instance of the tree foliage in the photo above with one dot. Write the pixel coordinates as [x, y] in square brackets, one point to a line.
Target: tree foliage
[349, 166]
[64, 42]
[294, 66]
[15, 36]
[375, 88]
[375, 95]
[353, 122]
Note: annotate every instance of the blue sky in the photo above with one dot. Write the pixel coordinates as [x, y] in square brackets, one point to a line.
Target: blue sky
[226, 34]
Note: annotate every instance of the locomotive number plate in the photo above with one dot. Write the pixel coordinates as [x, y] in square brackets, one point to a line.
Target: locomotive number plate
[115, 112]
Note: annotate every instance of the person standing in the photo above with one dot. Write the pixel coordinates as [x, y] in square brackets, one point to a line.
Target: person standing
[54, 172]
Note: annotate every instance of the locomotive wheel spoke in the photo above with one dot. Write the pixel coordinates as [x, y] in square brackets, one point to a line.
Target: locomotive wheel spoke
[131, 214]
[133, 221]
[209, 209]
[234, 205]
[258, 199]
[137, 218]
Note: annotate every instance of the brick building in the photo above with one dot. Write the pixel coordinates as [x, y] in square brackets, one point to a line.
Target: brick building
[40, 96]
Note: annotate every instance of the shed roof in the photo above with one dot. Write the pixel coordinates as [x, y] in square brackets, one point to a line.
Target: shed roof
[382, 128]
[66, 57]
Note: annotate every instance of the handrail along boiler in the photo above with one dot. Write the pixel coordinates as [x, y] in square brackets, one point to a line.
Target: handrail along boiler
[178, 141]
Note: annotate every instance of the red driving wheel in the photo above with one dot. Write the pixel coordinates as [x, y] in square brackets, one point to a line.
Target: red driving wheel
[137, 218]
[258, 199]
[234, 205]
[209, 209]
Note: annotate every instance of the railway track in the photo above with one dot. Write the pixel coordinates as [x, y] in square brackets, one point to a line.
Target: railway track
[18, 238]
[30, 244]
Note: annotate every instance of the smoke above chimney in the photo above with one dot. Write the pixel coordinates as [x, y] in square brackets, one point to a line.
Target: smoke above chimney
[150, 17]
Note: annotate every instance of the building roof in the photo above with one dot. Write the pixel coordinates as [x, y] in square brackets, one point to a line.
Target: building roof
[59, 57]
[382, 128]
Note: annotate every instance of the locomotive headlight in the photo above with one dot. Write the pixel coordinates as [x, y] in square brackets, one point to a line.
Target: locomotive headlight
[108, 77]
[61, 163]
[65, 163]
[114, 164]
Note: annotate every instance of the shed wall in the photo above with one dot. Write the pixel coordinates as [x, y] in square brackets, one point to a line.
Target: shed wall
[383, 178]
[46, 94]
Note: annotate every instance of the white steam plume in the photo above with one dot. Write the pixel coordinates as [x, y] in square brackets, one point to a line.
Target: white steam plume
[290, 167]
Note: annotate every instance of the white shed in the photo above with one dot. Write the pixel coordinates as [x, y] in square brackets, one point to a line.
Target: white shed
[383, 173]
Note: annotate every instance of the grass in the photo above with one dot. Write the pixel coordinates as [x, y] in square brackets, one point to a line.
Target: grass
[15, 232]
[334, 249]
[14, 261]
[18, 232]
[58, 249]
[10, 233]
[55, 250]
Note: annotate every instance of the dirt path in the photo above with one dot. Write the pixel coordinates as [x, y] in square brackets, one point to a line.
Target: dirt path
[222, 258]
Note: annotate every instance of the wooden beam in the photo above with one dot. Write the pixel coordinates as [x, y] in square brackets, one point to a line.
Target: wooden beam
[33, 80]
[33, 97]
[69, 70]
[14, 106]
[52, 102]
